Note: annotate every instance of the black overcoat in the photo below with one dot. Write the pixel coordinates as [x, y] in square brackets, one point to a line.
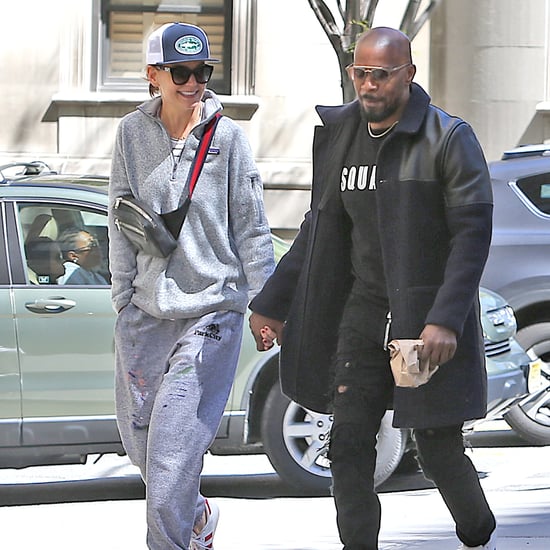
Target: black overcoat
[435, 209]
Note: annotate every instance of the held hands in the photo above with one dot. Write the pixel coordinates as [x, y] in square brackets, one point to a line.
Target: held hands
[439, 344]
[265, 331]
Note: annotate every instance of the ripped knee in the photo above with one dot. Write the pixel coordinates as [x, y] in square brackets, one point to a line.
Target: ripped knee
[344, 374]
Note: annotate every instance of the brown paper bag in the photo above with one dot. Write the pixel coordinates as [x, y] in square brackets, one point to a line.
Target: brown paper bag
[408, 371]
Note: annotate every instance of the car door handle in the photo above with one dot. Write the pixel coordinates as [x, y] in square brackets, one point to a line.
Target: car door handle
[50, 305]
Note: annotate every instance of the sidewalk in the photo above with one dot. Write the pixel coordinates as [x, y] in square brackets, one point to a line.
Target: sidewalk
[423, 524]
[517, 484]
[516, 480]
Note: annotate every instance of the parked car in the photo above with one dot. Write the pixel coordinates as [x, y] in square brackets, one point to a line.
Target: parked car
[518, 268]
[56, 351]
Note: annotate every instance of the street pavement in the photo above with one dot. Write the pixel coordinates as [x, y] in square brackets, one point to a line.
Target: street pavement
[258, 512]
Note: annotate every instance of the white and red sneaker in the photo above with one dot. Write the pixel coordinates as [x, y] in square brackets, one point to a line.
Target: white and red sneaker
[490, 545]
[205, 539]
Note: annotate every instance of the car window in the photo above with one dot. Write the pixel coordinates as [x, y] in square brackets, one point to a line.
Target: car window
[537, 190]
[64, 244]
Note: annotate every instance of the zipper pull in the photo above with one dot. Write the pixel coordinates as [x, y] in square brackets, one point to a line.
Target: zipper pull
[387, 331]
[173, 176]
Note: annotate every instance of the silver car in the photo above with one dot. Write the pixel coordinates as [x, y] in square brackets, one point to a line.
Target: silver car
[518, 268]
[56, 352]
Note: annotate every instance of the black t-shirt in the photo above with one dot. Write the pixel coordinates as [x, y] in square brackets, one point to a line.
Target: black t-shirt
[358, 185]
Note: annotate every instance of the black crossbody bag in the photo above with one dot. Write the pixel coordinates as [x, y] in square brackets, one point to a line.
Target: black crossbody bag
[153, 233]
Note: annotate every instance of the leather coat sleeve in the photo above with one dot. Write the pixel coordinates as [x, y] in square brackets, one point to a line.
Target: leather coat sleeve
[468, 199]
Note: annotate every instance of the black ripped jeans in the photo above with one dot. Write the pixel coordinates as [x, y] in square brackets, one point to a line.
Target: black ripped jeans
[363, 388]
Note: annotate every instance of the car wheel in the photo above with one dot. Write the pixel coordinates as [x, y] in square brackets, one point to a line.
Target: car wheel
[296, 442]
[535, 340]
[530, 417]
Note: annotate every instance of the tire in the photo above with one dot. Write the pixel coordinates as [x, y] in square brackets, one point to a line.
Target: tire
[535, 340]
[530, 417]
[296, 442]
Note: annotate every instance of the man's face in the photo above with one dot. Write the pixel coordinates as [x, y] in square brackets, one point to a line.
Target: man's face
[382, 94]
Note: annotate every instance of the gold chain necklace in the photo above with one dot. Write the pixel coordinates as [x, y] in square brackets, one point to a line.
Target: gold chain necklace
[386, 131]
[194, 119]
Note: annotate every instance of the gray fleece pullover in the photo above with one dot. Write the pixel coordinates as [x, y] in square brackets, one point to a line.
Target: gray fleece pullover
[224, 252]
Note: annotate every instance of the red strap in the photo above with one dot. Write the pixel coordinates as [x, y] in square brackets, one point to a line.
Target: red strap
[202, 152]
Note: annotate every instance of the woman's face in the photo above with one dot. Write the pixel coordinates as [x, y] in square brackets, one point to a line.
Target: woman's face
[87, 251]
[182, 84]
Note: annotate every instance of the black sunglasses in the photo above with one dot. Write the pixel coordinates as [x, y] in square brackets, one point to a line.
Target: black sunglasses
[92, 243]
[181, 74]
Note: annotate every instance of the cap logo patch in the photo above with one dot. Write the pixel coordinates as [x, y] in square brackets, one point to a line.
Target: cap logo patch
[188, 45]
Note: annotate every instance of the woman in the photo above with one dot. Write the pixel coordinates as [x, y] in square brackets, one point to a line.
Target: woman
[82, 258]
[179, 324]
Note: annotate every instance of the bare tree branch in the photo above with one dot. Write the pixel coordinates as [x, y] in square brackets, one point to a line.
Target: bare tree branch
[341, 10]
[410, 14]
[412, 26]
[352, 25]
[369, 12]
[324, 16]
[337, 40]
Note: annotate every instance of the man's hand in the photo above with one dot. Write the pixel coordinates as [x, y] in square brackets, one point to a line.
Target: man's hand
[265, 331]
[439, 344]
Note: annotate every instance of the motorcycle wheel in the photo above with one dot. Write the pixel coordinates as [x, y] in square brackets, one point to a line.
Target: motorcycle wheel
[530, 417]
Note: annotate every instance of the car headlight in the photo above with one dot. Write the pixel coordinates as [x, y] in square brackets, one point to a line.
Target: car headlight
[501, 324]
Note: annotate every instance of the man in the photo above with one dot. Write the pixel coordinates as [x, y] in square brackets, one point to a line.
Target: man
[393, 247]
[44, 260]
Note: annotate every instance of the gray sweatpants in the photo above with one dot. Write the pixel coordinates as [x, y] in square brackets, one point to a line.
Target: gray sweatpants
[173, 378]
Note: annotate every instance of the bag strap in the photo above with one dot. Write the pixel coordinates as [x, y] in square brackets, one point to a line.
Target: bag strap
[202, 151]
[174, 220]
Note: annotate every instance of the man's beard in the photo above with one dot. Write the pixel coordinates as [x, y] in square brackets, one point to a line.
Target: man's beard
[375, 115]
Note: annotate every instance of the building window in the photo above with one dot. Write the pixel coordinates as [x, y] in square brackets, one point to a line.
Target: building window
[127, 23]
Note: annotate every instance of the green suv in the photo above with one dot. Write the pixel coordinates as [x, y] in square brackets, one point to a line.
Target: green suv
[56, 348]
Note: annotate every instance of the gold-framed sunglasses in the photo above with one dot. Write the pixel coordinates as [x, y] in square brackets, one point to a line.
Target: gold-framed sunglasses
[377, 74]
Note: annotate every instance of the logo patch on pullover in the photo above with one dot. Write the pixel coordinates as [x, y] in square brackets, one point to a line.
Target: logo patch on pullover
[211, 331]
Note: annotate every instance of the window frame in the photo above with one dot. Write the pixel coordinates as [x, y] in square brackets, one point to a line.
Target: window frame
[5, 278]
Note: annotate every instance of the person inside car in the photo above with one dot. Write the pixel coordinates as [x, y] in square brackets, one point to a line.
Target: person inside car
[82, 257]
[44, 261]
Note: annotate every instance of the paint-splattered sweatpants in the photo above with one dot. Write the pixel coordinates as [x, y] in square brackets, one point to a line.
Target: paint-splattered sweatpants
[172, 381]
